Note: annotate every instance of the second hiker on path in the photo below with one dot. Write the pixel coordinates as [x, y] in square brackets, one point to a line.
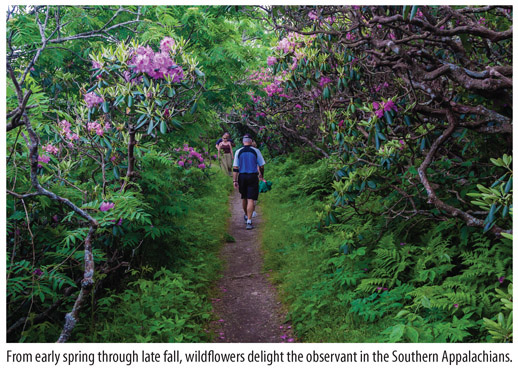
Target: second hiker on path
[248, 169]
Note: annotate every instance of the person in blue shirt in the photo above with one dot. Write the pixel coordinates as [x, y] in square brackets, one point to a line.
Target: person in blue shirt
[248, 169]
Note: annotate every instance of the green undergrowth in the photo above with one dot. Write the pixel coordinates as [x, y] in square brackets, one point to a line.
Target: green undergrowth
[167, 300]
[358, 280]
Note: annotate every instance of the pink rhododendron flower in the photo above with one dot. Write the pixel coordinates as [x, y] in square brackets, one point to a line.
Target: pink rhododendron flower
[324, 80]
[72, 136]
[92, 99]
[105, 206]
[167, 44]
[157, 65]
[271, 61]
[313, 15]
[390, 105]
[43, 159]
[501, 279]
[181, 163]
[51, 149]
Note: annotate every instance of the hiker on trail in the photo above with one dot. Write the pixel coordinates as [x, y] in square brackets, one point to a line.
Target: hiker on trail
[225, 159]
[221, 139]
[248, 170]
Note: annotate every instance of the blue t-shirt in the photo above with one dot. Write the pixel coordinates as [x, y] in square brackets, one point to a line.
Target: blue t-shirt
[247, 159]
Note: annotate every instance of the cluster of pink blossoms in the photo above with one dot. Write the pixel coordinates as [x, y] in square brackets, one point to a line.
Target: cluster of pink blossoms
[92, 100]
[271, 60]
[273, 89]
[67, 132]
[294, 41]
[51, 149]
[43, 159]
[105, 206]
[381, 108]
[157, 65]
[186, 159]
[324, 80]
[97, 127]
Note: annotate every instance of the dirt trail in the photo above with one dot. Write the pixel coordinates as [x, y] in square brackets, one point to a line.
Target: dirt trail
[248, 310]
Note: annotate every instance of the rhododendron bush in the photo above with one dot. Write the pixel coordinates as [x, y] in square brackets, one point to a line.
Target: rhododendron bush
[94, 158]
[389, 92]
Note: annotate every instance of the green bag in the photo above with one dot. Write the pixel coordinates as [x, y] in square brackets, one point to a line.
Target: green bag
[264, 186]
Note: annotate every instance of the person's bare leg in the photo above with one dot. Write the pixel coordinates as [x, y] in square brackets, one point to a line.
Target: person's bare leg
[245, 206]
[250, 209]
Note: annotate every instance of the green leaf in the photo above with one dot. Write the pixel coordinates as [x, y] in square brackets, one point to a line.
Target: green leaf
[194, 107]
[426, 302]
[412, 334]
[397, 332]
[163, 127]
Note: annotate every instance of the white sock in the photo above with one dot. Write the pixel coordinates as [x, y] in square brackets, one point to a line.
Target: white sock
[249, 221]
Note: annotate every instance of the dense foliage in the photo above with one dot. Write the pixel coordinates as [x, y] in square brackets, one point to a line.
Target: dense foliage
[390, 126]
[359, 280]
[111, 121]
[414, 102]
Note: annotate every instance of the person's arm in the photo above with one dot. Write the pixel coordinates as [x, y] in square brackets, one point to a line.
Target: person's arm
[260, 165]
[261, 173]
[235, 169]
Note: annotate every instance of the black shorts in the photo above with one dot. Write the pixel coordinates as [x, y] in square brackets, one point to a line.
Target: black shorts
[249, 186]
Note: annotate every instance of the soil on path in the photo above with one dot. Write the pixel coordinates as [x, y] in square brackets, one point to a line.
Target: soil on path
[248, 309]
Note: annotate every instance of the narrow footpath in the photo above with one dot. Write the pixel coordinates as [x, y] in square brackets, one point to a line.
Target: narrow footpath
[248, 309]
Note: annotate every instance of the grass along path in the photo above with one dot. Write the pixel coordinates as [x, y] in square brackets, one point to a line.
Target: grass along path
[248, 309]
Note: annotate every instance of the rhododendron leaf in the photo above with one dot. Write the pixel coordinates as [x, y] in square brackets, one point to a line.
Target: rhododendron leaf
[199, 73]
[130, 100]
[92, 88]
[388, 117]
[150, 127]
[406, 11]
[163, 127]
[194, 107]
[106, 107]
[107, 143]
[118, 100]
[116, 172]
[177, 124]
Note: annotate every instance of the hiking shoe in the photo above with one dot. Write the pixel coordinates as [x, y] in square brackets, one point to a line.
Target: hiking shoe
[249, 226]
[254, 214]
